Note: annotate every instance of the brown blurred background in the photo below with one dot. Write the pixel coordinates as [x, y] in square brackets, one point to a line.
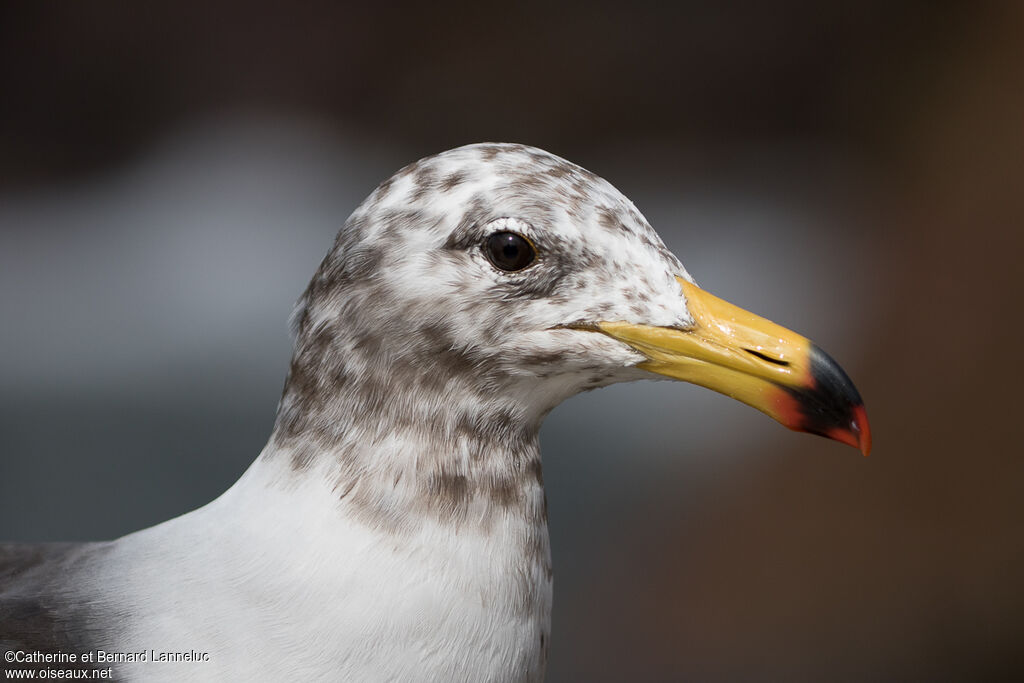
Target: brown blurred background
[171, 175]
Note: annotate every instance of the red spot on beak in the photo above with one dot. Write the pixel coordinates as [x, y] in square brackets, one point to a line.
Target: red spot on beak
[857, 434]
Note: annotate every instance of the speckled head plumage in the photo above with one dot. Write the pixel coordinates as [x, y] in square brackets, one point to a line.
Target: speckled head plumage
[407, 288]
[416, 241]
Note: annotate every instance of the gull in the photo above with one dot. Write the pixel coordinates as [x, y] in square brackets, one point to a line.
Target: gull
[395, 526]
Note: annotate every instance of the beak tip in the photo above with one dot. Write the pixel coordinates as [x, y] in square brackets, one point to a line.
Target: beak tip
[832, 406]
[857, 433]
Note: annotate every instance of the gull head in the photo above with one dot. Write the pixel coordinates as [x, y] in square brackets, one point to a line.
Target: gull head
[502, 275]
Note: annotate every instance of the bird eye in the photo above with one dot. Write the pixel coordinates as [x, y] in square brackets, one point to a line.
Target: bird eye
[508, 251]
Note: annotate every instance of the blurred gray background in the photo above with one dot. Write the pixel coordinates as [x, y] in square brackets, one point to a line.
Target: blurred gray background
[170, 177]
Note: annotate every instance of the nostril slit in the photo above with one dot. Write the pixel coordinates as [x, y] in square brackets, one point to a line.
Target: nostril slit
[773, 361]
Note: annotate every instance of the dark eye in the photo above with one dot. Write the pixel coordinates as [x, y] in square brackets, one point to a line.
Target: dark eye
[509, 251]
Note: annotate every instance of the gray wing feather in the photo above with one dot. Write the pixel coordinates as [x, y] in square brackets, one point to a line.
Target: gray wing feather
[37, 610]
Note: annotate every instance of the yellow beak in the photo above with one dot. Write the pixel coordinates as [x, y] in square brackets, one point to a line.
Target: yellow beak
[753, 360]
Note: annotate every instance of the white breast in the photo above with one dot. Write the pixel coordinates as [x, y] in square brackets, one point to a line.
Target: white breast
[277, 584]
